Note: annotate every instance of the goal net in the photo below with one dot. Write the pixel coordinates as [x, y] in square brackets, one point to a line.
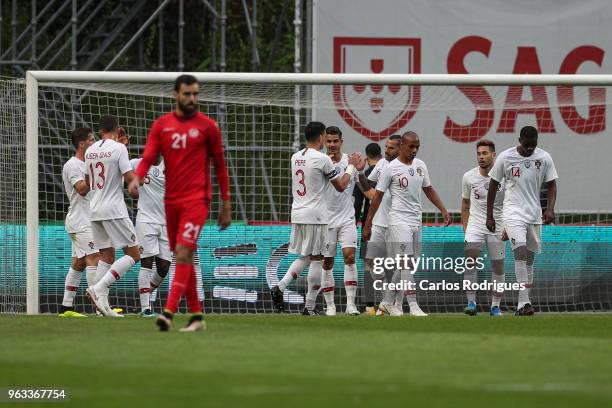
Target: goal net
[262, 118]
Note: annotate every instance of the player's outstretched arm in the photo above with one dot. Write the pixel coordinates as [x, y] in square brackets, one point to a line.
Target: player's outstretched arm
[465, 212]
[493, 186]
[549, 213]
[435, 199]
[374, 204]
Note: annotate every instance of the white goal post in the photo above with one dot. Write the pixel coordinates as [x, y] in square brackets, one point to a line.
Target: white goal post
[34, 79]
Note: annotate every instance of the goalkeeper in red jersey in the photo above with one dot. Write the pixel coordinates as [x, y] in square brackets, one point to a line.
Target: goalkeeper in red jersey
[187, 140]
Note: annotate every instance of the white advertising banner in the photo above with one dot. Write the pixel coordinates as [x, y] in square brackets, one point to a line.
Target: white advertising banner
[474, 37]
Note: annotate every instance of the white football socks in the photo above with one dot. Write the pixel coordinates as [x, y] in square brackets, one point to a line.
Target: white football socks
[520, 269]
[314, 283]
[498, 279]
[295, 269]
[116, 271]
[73, 280]
[471, 275]
[328, 284]
[103, 267]
[350, 283]
[144, 287]
[91, 274]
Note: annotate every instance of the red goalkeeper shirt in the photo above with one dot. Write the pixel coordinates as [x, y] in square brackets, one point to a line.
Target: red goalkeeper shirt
[187, 144]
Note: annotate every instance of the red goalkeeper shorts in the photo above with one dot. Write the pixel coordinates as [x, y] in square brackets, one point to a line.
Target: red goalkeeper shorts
[185, 222]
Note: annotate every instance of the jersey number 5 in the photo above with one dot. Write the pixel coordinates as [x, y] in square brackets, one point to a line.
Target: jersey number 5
[97, 181]
[300, 174]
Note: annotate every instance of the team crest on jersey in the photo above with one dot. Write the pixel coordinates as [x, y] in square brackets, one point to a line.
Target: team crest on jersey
[193, 132]
[527, 163]
[538, 164]
[411, 171]
[91, 245]
[155, 172]
[420, 171]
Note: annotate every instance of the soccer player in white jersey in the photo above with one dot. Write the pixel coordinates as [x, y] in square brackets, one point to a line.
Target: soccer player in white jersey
[404, 178]
[151, 233]
[108, 166]
[376, 245]
[84, 251]
[525, 168]
[312, 172]
[341, 228]
[474, 192]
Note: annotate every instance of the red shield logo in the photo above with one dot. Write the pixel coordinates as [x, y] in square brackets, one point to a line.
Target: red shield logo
[377, 111]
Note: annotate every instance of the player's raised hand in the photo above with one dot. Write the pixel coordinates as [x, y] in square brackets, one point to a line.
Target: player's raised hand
[549, 216]
[225, 216]
[354, 159]
[361, 165]
[490, 224]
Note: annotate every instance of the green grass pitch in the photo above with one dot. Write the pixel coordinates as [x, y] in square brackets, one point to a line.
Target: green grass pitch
[550, 360]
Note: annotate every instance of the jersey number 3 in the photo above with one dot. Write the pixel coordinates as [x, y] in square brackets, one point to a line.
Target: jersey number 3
[100, 179]
[302, 191]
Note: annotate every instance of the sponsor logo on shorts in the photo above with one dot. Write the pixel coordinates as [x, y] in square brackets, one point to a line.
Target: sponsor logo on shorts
[513, 241]
[133, 238]
[91, 245]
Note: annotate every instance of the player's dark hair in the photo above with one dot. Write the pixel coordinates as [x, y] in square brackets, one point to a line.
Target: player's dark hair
[313, 130]
[184, 79]
[373, 151]
[529, 132]
[395, 137]
[108, 123]
[334, 130]
[486, 142]
[80, 135]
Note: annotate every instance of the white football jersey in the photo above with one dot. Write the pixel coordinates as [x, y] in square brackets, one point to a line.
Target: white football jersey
[524, 178]
[311, 172]
[106, 161]
[340, 204]
[475, 187]
[404, 183]
[381, 218]
[77, 219]
[151, 194]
